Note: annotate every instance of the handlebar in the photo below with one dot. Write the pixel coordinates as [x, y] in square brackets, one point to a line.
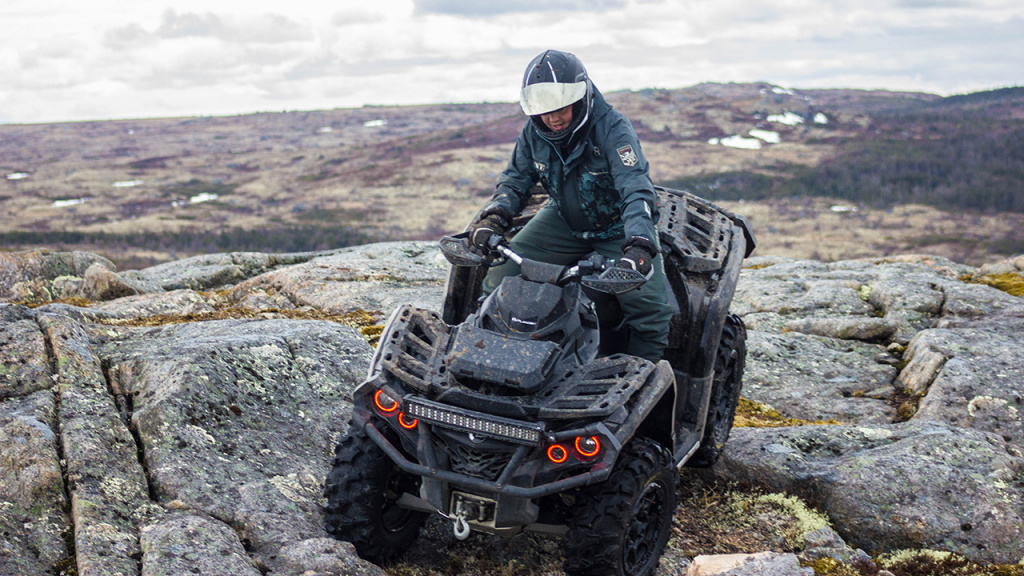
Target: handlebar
[595, 271]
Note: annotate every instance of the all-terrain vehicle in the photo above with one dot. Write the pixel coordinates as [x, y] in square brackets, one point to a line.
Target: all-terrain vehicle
[524, 413]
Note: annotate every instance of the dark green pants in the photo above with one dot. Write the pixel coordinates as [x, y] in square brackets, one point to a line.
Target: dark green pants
[646, 309]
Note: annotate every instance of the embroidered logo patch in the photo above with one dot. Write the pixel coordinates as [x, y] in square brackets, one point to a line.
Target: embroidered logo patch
[540, 166]
[627, 155]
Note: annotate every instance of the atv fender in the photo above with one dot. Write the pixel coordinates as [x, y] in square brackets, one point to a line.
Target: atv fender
[653, 414]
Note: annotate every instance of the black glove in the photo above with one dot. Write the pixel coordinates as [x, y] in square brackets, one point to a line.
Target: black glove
[483, 229]
[637, 254]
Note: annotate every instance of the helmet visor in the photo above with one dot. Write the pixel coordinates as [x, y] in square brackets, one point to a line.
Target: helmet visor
[545, 97]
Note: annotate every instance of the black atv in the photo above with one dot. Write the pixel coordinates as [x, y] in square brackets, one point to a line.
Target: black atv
[523, 412]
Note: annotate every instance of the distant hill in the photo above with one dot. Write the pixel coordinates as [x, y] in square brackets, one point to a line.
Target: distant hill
[150, 190]
[961, 152]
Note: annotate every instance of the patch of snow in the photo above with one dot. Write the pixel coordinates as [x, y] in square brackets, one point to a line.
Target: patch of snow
[66, 203]
[741, 142]
[788, 118]
[840, 208]
[325, 130]
[17, 176]
[766, 135]
[713, 141]
[820, 118]
[204, 197]
[128, 184]
[876, 433]
[375, 123]
[779, 90]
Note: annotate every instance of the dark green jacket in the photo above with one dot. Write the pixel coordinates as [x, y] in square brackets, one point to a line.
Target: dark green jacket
[601, 187]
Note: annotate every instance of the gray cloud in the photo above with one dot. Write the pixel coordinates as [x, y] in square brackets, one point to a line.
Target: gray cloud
[176, 25]
[265, 28]
[356, 16]
[933, 3]
[130, 36]
[146, 61]
[945, 57]
[487, 8]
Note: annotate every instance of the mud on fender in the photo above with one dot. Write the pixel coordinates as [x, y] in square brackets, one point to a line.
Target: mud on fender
[653, 413]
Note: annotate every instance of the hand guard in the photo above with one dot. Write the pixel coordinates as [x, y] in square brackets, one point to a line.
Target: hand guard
[486, 227]
[637, 253]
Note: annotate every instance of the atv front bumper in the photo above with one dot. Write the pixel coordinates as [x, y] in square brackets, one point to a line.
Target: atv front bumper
[501, 486]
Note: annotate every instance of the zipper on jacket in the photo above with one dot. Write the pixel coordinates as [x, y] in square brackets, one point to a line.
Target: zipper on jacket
[570, 205]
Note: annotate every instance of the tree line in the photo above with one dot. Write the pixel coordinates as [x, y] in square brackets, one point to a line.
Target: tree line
[194, 241]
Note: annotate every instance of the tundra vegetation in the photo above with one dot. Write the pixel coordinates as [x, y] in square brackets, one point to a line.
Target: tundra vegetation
[891, 172]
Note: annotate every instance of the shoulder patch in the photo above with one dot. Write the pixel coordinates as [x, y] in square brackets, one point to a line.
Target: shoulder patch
[627, 155]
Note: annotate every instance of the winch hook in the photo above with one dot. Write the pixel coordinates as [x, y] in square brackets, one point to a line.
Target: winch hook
[460, 527]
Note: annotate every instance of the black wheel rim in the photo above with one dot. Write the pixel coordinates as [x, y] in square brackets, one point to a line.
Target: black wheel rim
[645, 528]
[394, 518]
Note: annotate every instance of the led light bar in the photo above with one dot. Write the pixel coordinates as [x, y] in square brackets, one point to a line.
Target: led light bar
[466, 421]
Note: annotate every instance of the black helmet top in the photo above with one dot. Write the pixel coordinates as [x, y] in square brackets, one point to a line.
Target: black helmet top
[554, 80]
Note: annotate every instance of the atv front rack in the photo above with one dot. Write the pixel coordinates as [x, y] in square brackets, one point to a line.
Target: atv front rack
[419, 349]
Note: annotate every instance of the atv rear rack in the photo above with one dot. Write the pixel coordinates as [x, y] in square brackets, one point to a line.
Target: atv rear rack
[699, 232]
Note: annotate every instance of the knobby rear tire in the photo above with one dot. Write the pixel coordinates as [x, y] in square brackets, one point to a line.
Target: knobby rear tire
[730, 360]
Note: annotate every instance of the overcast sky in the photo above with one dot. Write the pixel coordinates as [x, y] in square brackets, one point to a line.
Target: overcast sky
[99, 59]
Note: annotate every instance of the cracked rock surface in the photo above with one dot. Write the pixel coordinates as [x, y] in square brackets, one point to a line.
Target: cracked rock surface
[201, 447]
[946, 474]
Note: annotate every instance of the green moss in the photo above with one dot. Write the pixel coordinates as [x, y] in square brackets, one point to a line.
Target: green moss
[941, 563]
[906, 404]
[750, 414]
[826, 566]
[798, 518]
[67, 567]
[372, 333]
[720, 518]
[364, 321]
[864, 292]
[1009, 282]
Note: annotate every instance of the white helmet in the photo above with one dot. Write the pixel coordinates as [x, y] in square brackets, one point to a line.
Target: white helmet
[552, 81]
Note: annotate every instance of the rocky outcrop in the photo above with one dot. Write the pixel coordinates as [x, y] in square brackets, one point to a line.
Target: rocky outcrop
[947, 473]
[43, 275]
[372, 277]
[183, 448]
[922, 484]
[173, 446]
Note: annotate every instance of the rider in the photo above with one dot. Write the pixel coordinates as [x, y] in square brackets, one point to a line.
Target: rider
[587, 157]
